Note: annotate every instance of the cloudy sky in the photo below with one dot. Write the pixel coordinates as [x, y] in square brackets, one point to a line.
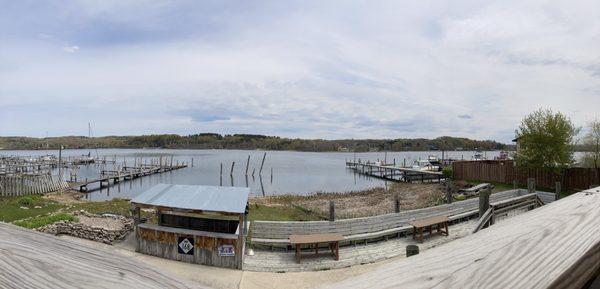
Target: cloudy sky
[310, 69]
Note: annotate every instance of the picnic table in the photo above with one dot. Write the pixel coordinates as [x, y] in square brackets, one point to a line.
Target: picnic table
[440, 222]
[315, 239]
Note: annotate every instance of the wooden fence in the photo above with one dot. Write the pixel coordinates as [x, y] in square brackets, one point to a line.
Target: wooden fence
[30, 185]
[506, 171]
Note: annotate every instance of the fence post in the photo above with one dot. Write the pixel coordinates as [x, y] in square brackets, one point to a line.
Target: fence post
[557, 190]
[331, 211]
[484, 201]
[397, 204]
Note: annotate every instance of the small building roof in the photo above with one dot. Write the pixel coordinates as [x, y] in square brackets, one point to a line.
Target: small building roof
[204, 198]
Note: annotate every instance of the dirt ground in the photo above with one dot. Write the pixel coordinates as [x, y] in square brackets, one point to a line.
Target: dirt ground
[66, 197]
[363, 203]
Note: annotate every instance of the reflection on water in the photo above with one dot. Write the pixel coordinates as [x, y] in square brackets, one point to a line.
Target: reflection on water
[283, 171]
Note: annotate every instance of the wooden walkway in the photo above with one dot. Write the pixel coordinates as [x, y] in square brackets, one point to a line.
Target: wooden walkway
[277, 261]
[381, 226]
[555, 246]
[128, 173]
[29, 259]
[394, 173]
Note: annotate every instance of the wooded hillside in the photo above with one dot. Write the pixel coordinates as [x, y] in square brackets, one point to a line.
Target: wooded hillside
[247, 141]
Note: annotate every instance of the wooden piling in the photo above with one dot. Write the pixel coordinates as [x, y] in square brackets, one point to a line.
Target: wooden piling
[247, 164]
[262, 164]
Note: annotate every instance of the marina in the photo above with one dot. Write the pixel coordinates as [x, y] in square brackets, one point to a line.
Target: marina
[284, 172]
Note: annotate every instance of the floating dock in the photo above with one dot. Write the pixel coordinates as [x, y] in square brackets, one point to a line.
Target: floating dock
[394, 173]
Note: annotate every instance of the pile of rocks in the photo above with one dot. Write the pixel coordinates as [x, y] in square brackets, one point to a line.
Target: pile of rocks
[99, 228]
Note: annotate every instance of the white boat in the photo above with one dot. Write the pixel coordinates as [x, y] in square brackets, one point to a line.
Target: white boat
[478, 156]
[432, 164]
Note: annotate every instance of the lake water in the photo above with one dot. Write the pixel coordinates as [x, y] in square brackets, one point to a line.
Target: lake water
[293, 172]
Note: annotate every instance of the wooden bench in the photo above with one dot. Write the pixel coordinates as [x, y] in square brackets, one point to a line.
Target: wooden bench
[440, 222]
[276, 233]
[314, 239]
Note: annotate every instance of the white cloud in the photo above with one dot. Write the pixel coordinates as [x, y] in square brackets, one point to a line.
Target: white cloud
[70, 48]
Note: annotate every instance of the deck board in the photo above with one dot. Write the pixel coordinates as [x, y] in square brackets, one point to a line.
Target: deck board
[555, 246]
[29, 259]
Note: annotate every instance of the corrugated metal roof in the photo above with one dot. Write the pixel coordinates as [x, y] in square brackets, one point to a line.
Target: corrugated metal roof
[206, 198]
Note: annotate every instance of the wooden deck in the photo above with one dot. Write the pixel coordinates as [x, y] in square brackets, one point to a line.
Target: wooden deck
[30, 259]
[555, 246]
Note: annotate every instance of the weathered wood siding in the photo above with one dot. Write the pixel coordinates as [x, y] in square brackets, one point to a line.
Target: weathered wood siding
[29, 185]
[505, 172]
[164, 245]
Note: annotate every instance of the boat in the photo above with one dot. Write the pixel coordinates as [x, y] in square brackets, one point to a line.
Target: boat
[478, 156]
[432, 164]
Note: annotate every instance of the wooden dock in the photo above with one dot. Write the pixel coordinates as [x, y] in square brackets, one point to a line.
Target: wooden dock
[111, 177]
[555, 246]
[394, 173]
[32, 259]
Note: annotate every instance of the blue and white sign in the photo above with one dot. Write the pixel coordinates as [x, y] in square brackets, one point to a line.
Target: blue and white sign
[226, 251]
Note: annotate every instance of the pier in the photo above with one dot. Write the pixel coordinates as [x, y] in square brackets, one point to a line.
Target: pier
[394, 173]
[125, 173]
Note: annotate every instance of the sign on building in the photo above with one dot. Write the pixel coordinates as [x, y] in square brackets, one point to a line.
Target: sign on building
[226, 251]
[186, 245]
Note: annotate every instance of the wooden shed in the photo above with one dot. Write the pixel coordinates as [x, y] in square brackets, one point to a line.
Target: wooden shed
[195, 224]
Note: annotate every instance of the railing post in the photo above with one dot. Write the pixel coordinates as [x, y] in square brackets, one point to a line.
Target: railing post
[331, 211]
[531, 185]
[397, 204]
[448, 193]
[484, 201]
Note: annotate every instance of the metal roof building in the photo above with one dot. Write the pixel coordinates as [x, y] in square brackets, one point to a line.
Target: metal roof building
[195, 224]
[197, 198]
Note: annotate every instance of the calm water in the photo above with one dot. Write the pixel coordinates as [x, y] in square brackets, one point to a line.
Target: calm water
[293, 172]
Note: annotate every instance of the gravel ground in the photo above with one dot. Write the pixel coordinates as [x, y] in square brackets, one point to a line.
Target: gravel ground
[106, 223]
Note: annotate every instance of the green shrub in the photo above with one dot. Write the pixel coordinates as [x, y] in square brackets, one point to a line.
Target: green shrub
[41, 221]
[26, 201]
[447, 171]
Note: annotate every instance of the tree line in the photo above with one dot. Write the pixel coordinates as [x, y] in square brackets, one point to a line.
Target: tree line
[248, 141]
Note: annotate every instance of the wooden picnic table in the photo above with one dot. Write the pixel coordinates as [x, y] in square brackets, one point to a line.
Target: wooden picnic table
[440, 222]
[315, 239]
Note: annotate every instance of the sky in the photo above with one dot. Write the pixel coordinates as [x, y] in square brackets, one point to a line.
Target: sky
[307, 69]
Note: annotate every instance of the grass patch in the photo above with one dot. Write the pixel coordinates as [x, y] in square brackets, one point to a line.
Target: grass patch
[281, 213]
[10, 207]
[114, 206]
[40, 221]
